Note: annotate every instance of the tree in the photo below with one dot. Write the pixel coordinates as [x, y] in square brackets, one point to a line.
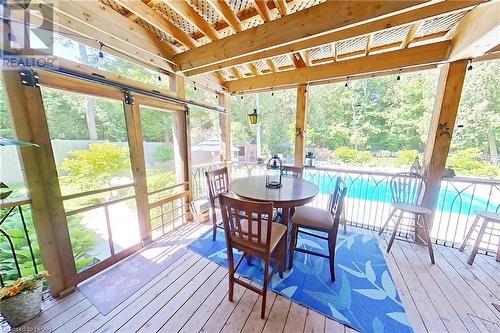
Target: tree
[94, 168]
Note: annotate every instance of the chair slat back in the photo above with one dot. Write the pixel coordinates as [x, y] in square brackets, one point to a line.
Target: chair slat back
[292, 171]
[218, 182]
[336, 200]
[408, 187]
[246, 222]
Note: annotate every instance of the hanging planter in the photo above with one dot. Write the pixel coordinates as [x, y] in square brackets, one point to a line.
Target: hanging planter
[22, 301]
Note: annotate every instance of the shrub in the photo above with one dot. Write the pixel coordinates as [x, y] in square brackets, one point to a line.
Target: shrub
[406, 157]
[96, 166]
[164, 153]
[352, 156]
[467, 162]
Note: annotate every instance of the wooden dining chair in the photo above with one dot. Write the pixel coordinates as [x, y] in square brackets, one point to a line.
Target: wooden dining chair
[292, 171]
[407, 191]
[308, 219]
[217, 182]
[247, 229]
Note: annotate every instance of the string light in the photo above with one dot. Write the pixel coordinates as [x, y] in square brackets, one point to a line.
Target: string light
[101, 55]
[346, 82]
[194, 84]
[470, 65]
[399, 74]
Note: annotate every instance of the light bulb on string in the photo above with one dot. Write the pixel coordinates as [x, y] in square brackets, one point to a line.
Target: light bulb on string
[346, 82]
[101, 45]
[470, 65]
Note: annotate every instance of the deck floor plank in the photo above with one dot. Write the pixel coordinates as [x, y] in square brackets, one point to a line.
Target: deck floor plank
[190, 295]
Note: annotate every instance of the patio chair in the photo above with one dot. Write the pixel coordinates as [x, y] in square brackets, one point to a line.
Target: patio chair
[407, 191]
[217, 182]
[308, 219]
[292, 171]
[492, 218]
[247, 229]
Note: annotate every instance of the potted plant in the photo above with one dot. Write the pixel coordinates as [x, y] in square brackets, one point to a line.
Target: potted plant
[22, 300]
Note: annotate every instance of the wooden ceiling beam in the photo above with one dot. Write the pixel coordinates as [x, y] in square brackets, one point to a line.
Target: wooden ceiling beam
[477, 32]
[187, 12]
[402, 58]
[97, 22]
[301, 25]
[282, 7]
[380, 24]
[221, 7]
[272, 65]
[263, 10]
[158, 21]
[410, 36]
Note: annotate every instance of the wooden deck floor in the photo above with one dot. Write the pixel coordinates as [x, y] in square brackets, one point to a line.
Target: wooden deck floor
[191, 296]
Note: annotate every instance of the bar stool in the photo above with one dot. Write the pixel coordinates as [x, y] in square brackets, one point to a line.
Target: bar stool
[488, 217]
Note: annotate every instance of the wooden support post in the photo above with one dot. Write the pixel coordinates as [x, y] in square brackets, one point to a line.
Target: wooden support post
[449, 89]
[28, 117]
[136, 149]
[225, 131]
[300, 124]
[182, 138]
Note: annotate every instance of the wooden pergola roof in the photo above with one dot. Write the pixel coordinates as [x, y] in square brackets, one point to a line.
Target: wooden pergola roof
[247, 45]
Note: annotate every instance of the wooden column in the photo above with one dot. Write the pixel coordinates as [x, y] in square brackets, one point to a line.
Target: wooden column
[300, 124]
[225, 131]
[449, 89]
[182, 138]
[28, 117]
[136, 149]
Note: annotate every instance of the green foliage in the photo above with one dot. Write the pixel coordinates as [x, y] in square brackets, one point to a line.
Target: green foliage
[406, 157]
[468, 162]
[160, 179]
[94, 168]
[352, 156]
[82, 239]
[164, 153]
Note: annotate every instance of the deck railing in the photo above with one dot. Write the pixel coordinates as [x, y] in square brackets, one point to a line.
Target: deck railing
[368, 199]
[19, 254]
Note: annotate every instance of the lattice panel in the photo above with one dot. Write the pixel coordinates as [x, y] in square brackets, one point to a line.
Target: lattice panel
[157, 32]
[438, 24]
[390, 36]
[205, 10]
[115, 6]
[256, 21]
[352, 45]
[239, 6]
[176, 18]
[321, 52]
[261, 65]
[303, 4]
[282, 61]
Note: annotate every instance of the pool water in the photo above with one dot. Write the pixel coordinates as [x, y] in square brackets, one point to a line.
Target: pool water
[462, 199]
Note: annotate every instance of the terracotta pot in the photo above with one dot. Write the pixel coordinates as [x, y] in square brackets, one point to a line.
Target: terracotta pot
[23, 307]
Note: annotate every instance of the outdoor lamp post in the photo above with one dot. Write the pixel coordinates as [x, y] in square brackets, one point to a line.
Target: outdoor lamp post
[273, 172]
[253, 117]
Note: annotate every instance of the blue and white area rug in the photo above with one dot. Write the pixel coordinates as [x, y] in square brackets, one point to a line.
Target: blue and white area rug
[363, 296]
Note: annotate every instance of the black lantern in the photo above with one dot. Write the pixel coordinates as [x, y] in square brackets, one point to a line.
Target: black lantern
[253, 117]
[309, 159]
[273, 172]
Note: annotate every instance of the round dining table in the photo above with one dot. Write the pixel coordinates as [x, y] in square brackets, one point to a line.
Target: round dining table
[294, 192]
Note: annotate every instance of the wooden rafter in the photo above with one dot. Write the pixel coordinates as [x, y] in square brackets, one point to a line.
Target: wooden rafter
[263, 10]
[96, 21]
[410, 36]
[368, 44]
[236, 72]
[398, 19]
[226, 12]
[182, 8]
[282, 7]
[477, 32]
[158, 21]
[272, 65]
[410, 57]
